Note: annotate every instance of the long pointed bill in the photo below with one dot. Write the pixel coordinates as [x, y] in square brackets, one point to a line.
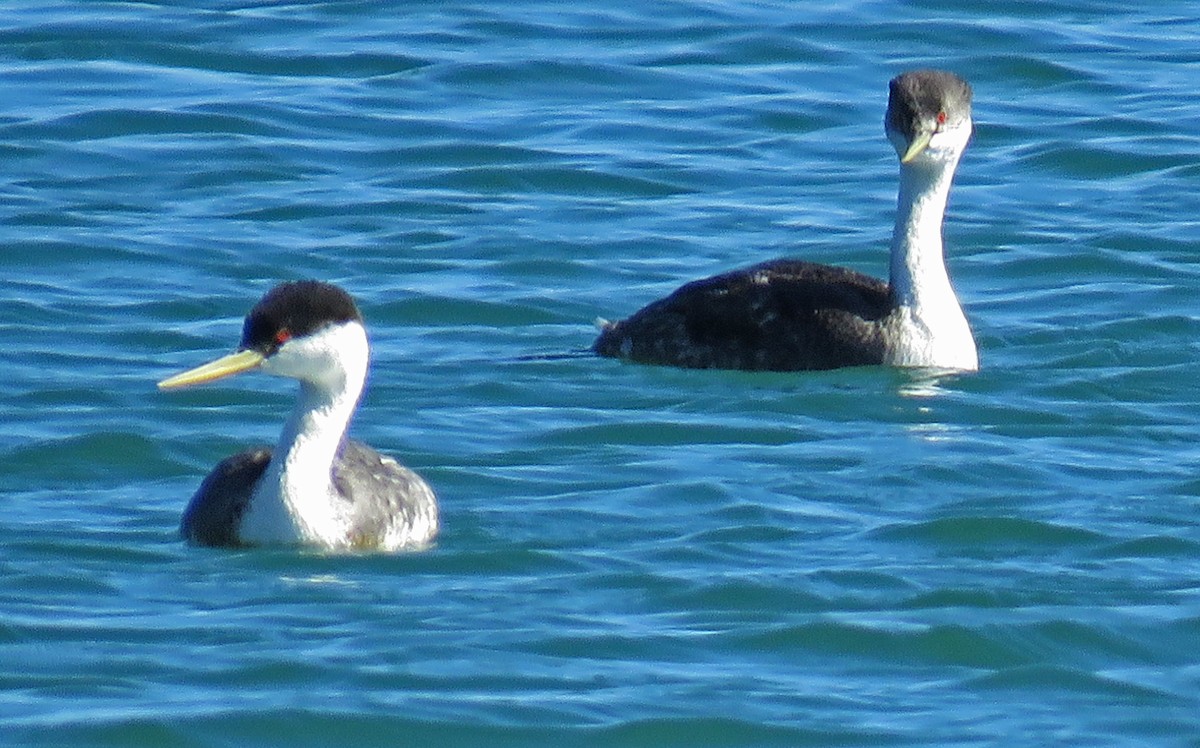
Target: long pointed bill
[918, 144]
[234, 363]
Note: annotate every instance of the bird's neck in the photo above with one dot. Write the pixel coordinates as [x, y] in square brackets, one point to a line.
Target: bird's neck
[296, 501]
[918, 269]
[312, 435]
[932, 328]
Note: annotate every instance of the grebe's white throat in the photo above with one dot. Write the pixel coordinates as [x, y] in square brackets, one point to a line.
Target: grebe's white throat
[927, 326]
[295, 501]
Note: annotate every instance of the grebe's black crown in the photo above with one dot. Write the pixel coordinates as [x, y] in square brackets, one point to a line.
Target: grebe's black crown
[293, 310]
[920, 95]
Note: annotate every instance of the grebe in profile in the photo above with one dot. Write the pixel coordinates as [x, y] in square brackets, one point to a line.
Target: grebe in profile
[787, 315]
[317, 487]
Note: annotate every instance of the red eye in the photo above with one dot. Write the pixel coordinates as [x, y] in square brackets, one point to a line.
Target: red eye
[941, 118]
[283, 336]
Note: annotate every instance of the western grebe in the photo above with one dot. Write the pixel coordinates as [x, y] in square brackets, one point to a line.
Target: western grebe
[317, 487]
[787, 315]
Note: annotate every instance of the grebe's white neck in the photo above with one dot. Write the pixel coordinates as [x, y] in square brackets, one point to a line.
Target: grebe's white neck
[295, 501]
[927, 326]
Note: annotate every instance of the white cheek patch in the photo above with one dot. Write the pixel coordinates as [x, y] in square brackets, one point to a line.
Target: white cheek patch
[323, 357]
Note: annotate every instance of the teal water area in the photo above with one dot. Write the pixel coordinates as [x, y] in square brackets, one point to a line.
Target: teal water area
[631, 556]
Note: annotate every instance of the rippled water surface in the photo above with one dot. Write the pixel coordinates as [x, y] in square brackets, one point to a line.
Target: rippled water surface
[631, 555]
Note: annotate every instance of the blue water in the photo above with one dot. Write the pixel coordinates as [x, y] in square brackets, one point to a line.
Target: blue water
[632, 556]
